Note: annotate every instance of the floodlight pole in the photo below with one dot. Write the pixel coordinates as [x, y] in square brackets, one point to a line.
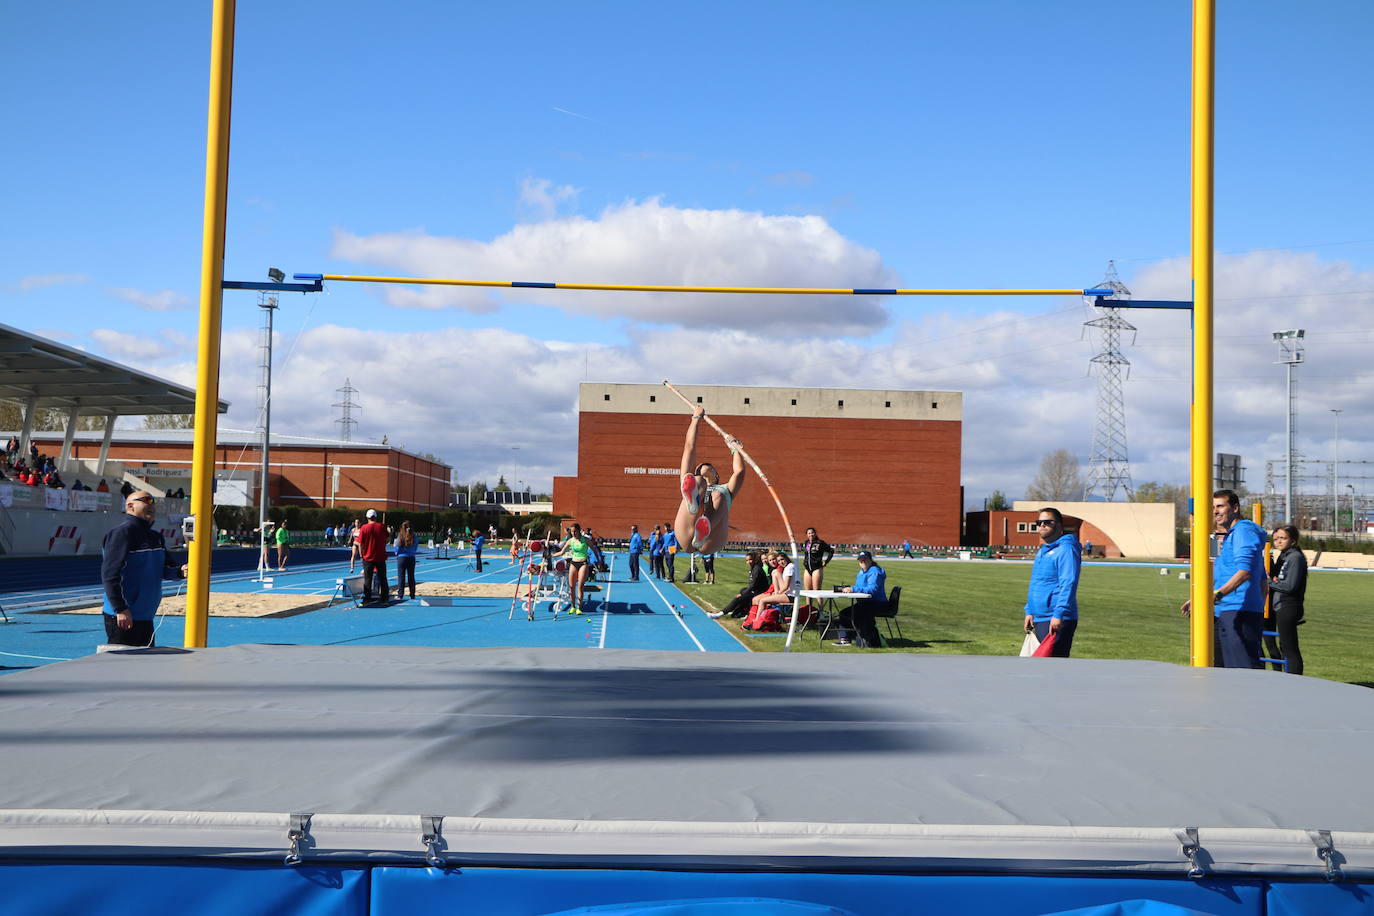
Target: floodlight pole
[268, 303]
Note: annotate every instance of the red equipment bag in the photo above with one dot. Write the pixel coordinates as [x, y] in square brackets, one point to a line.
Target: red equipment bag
[1046, 647]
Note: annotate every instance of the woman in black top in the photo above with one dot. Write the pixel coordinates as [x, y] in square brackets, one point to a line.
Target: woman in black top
[816, 554]
[1287, 590]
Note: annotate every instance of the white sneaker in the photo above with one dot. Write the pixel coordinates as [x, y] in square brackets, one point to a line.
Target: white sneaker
[716, 615]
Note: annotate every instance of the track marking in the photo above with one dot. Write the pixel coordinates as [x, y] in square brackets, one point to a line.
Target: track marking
[672, 610]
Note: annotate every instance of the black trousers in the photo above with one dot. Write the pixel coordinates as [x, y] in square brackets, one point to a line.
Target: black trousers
[1063, 643]
[477, 557]
[656, 565]
[634, 567]
[1285, 620]
[739, 605]
[140, 634]
[858, 618]
[668, 562]
[1238, 639]
[374, 574]
[405, 572]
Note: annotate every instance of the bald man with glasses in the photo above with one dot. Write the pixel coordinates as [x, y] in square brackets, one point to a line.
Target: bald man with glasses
[1052, 599]
[134, 561]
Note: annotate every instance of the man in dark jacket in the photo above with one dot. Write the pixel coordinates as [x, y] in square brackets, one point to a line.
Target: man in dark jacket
[134, 561]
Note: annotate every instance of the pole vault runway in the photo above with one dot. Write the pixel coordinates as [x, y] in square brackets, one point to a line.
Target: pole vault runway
[648, 614]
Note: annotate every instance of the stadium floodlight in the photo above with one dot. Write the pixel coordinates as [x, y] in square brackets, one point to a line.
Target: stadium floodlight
[275, 275]
[1296, 334]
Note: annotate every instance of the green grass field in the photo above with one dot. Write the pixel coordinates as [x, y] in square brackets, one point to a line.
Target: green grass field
[975, 609]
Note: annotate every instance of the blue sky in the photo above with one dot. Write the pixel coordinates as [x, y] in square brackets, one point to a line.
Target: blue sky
[974, 144]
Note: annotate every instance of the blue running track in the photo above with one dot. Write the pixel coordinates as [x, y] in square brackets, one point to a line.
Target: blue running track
[648, 614]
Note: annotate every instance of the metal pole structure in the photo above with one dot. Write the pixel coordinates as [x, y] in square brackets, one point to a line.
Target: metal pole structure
[268, 304]
[1291, 353]
[211, 307]
[1336, 477]
[1200, 575]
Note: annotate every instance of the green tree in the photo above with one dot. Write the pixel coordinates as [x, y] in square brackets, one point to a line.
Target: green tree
[1176, 493]
[501, 484]
[997, 502]
[45, 419]
[169, 421]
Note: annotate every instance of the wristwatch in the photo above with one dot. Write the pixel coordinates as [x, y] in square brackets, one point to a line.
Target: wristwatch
[1217, 596]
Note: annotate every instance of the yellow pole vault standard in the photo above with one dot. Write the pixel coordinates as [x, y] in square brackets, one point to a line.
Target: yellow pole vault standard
[1200, 580]
[750, 290]
[211, 301]
[763, 478]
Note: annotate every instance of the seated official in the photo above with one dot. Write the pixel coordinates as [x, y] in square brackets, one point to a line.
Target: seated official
[857, 626]
[757, 585]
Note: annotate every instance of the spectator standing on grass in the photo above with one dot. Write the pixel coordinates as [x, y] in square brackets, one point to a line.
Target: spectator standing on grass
[857, 622]
[372, 549]
[906, 549]
[1287, 594]
[635, 547]
[1238, 585]
[133, 563]
[1052, 599]
[656, 553]
[816, 556]
[757, 584]
[670, 548]
[406, 548]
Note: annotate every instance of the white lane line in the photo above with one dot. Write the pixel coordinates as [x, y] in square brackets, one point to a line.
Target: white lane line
[676, 615]
[605, 614]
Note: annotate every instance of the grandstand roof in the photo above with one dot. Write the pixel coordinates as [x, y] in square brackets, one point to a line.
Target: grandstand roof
[64, 377]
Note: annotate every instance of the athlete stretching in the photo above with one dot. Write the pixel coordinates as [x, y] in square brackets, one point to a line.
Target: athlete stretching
[703, 517]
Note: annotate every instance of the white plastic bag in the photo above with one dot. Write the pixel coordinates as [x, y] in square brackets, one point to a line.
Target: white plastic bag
[1029, 645]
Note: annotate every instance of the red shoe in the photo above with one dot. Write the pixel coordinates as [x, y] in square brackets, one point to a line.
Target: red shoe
[691, 486]
[703, 531]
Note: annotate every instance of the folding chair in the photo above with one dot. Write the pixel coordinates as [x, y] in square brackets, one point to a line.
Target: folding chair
[894, 597]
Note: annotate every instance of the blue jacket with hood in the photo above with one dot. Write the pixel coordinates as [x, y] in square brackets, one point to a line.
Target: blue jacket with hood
[1054, 580]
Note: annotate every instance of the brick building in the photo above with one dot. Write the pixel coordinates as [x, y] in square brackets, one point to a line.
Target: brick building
[862, 466]
[302, 471]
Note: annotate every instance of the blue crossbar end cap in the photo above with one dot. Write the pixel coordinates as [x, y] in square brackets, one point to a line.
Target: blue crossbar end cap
[317, 277]
[1086, 292]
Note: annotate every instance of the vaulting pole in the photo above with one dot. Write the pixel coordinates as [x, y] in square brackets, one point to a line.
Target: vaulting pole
[763, 478]
[211, 302]
[1200, 576]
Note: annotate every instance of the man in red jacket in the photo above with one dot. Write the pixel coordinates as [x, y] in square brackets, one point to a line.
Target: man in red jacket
[372, 549]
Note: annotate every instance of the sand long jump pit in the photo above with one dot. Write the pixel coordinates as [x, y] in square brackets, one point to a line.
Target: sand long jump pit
[278, 604]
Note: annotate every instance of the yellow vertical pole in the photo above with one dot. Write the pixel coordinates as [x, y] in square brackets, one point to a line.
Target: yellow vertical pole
[1200, 577]
[211, 301]
[1258, 513]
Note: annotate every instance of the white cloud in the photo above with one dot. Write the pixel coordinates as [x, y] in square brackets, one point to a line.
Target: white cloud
[122, 345]
[649, 243]
[542, 198]
[165, 300]
[32, 282]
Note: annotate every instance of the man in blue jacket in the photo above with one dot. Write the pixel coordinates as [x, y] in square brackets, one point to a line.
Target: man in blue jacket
[670, 547]
[1052, 599]
[1238, 584]
[636, 547]
[656, 553]
[134, 561]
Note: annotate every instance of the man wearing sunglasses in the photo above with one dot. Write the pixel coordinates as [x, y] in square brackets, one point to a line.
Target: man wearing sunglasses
[1052, 600]
[134, 561]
